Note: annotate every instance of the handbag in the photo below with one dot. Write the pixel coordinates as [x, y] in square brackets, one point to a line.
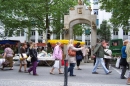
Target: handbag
[29, 58]
[71, 52]
[24, 56]
[78, 57]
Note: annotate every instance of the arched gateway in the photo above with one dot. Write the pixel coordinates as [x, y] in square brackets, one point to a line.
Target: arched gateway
[79, 14]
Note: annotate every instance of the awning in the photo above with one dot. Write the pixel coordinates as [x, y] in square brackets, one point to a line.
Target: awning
[64, 42]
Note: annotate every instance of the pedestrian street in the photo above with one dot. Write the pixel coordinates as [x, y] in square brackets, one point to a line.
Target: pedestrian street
[83, 77]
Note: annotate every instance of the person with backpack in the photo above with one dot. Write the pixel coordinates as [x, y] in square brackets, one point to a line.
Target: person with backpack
[99, 55]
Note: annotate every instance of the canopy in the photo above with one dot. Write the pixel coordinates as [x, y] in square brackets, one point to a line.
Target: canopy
[8, 41]
[64, 42]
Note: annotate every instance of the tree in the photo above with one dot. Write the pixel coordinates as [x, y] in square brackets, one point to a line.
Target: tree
[104, 31]
[34, 13]
[119, 9]
[42, 14]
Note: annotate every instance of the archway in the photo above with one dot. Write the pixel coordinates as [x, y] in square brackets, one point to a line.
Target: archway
[79, 14]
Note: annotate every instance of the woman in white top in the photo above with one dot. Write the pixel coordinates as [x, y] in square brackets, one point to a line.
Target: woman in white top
[107, 58]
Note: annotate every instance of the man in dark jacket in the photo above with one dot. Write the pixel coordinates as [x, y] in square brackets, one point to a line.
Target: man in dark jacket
[99, 54]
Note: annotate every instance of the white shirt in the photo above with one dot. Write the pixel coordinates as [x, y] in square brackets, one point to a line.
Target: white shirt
[109, 52]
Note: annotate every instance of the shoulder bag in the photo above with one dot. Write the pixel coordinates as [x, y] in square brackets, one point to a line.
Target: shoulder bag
[71, 52]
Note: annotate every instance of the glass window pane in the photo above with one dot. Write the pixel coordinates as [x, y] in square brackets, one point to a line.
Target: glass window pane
[22, 32]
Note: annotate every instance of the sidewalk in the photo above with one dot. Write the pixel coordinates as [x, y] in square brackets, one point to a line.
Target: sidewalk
[43, 83]
[83, 77]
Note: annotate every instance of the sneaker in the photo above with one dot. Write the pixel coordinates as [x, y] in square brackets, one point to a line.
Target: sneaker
[72, 75]
[29, 72]
[94, 72]
[36, 75]
[109, 72]
[52, 73]
[123, 78]
[61, 73]
[25, 71]
[79, 69]
[20, 71]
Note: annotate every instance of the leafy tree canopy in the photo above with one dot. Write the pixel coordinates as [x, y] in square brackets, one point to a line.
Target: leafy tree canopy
[119, 9]
[104, 31]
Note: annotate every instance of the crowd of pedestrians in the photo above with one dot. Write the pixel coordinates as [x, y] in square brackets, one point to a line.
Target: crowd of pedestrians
[75, 55]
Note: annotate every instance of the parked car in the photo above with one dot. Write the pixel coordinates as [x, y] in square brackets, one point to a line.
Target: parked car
[16, 57]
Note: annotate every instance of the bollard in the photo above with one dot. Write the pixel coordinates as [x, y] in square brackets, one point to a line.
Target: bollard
[66, 73]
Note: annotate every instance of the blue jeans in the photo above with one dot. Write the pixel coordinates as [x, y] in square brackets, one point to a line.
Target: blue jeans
[100, 60]
[71, 68]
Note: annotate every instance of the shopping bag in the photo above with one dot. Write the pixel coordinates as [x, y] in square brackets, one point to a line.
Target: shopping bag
[118, 62]
[62, 62]
[56, 64]
[2, 61]
[24, 56]
[29, 58]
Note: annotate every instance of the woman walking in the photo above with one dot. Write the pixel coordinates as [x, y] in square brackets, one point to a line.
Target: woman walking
[128, 60]
[123, 61]
[71, 58]
[8, 55]
[57, 55]
[34, 59]
[23, 61]
[78, 53]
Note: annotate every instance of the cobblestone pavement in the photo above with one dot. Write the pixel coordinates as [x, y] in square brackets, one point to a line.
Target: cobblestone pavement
[83, 77]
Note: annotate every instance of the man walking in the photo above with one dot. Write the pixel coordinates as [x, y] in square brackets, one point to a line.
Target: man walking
[99, 55]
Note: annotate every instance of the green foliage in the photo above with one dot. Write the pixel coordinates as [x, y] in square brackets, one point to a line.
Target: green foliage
[119, 9]
[104, 31]
[33, 13]
[78, 29]
[22, 14]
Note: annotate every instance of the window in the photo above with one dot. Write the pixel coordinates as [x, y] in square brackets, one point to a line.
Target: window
[95, 11]
[10, 33]
[40, 32]
[33, 32]
[33, 40]
[87, 42]
[22, 32]
[97, 22]
[115, 32]
[6, 33]
[125, 32]
[18, 33]
[88, 0]
[39, 41]
[95, 2]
